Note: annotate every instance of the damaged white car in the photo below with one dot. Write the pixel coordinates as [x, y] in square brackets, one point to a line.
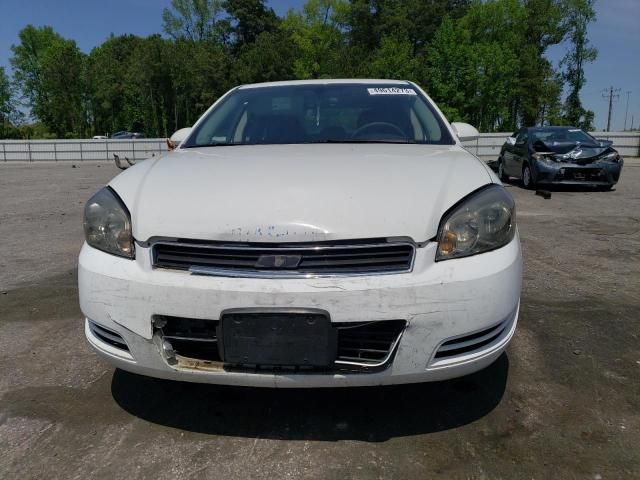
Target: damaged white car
[305, 234]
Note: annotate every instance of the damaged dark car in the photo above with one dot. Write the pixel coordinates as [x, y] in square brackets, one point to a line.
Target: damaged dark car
[559, 155]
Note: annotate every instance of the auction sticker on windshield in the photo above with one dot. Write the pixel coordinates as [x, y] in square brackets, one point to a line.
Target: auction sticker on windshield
[392, 91]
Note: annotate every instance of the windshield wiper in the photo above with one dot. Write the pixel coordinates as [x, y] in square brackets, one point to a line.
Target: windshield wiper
[328, 140]
[355, 140]
[212, 144]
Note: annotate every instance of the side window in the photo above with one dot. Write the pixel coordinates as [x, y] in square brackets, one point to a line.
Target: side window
[522, 137]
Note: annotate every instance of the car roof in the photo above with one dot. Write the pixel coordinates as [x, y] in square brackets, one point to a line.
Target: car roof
[334, 81]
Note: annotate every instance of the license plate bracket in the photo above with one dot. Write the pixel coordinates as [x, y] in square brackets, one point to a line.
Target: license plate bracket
[300, 338]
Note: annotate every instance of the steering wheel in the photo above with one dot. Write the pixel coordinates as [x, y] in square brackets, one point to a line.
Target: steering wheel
[381, 125]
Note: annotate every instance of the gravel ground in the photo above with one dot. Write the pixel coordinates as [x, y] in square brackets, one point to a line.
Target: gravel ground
[564, 402]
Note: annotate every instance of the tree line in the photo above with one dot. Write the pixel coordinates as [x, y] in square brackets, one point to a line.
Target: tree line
[483, 62]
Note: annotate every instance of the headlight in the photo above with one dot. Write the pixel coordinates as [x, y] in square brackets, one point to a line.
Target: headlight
[107, 224]
[611, 157]
[484, 221]
[544, 157]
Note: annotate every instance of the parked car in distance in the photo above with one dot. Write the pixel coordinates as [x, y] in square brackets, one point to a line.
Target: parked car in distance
[305, 234]
[123, 135]
[559, 155]
[99, 137]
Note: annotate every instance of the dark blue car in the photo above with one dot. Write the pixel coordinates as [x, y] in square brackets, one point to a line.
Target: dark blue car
[559, 155]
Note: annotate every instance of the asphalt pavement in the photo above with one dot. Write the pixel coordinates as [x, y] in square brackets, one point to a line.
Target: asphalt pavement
[562, 403]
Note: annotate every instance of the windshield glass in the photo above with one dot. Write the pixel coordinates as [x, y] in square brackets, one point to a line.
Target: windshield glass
[321, 113]
[562, 135]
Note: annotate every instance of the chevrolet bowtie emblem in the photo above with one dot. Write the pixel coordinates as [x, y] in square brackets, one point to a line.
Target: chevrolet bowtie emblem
[278, 261]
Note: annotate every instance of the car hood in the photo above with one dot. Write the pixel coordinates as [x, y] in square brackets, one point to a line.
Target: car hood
[297, 193]
[575, 150]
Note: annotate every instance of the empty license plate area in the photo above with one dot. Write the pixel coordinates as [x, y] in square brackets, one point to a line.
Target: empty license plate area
[291, 338]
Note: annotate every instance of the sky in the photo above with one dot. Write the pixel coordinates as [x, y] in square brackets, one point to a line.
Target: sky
[616, 35]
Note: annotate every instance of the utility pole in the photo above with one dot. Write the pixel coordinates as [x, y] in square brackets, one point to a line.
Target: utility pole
[611, 94]
[626, 114]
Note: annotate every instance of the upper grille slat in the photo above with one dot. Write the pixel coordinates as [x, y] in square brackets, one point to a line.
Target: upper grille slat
[360, 261]
[305, 259]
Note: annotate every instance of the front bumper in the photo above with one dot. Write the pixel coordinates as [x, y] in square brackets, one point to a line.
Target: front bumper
[440, 302]
[596, 173]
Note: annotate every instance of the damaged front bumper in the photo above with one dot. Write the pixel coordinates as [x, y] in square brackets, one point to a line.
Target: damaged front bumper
[453, 317]
[597, 173]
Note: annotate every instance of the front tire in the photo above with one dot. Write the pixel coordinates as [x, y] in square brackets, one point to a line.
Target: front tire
[527, 177]
[504, 178]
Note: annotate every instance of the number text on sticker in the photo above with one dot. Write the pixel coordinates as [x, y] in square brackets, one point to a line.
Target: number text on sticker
[391, 91]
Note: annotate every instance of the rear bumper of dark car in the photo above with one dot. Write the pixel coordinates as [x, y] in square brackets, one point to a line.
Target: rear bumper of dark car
[597, 173]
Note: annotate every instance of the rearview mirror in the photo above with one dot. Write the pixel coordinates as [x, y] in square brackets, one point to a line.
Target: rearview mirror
[178, 137]
[465, 132]
[511, 140]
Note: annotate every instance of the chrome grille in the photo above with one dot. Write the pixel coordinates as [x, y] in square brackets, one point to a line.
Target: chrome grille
[361, 346]
[285, 260]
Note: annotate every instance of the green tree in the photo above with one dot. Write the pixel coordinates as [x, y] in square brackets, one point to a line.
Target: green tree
[247, 19]
[470, 69]
[200, 73]
[412, 21]
[541, 27]
[551, 103]
[108, 78]
[500, 47]
[483, 61]
[7, 105]
[318, 34]
[416, 21]
[194, 20]
[270, 58]
[50, 72]
[393, 59]
[449, 69]
[580, 14]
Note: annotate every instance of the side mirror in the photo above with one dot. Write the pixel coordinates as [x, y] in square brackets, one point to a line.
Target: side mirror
[511, 140]
[178, 137]
[465, 132]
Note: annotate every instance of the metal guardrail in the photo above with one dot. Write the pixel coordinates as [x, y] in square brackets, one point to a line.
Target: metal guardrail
[486, 147]
[79, 150]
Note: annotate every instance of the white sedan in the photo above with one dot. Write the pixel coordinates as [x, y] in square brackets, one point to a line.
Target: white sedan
[305, 234]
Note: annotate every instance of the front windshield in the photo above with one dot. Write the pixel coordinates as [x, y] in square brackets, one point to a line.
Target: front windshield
[321, 113]
[561, 135]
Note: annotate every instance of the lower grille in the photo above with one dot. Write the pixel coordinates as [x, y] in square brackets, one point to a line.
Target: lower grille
[362, 346]
[469, 343]
[191, 337]
[368, 257]
[582, 174]
[369, 344]
[108, 336]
